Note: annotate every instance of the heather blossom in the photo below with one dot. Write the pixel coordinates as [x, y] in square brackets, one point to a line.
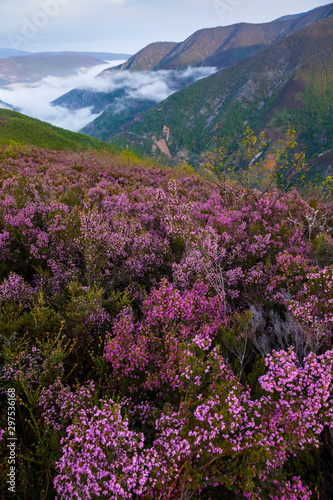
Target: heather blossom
[166, 338]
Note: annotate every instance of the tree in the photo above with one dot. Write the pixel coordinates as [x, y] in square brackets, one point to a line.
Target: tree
[251, 168]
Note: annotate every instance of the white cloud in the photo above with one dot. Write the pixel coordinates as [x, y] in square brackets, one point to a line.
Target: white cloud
[158, 85]
[154, 85]
[34, 99]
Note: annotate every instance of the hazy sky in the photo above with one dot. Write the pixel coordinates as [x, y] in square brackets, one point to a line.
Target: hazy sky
[126, 25]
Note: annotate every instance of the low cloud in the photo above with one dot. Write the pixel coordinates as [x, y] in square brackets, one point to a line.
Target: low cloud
[154, 85]
[35, 99]
[158, 85]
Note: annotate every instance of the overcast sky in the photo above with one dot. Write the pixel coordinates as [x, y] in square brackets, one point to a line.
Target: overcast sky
[126, 25]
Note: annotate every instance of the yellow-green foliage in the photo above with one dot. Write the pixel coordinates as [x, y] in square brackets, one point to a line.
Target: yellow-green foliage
[249, 166]
[18, 132]
[31, 132]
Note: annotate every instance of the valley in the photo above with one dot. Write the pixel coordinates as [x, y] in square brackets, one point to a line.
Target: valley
[273, 75]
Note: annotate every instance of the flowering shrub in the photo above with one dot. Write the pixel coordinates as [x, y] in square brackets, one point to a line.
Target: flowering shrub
[215, 431]
[100, 457]
[14, 289]
[195, 353]
[151, 356]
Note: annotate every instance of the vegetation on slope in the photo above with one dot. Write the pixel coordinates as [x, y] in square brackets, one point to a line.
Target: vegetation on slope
[288, 83]
[31, 132]
[138, 307]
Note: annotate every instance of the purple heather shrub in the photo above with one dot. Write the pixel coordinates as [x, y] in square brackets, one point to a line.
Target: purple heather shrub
[312, 306]
[217, 420]
[15, 289]
[60, 405]
[102, 457]
[150, 354]
[290, 490]
[225, 421]
[25, 368]
[80, 228]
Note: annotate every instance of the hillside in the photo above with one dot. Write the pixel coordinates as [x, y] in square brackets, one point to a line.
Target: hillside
[221, 46]
[209, 49]
[129, 94]
[31, 132]
[153, 313]
[290, 82]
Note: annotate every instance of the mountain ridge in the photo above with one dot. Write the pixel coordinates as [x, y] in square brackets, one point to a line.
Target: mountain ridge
[221, 46]
[288, 82]
[102, 56]
[147, 58]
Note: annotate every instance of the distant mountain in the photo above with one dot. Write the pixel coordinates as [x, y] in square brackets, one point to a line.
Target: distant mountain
[290, 82]
[101, 56]
[221, 46]
[30, 68]
[5, 105]
[4, 53]
[84, 98]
